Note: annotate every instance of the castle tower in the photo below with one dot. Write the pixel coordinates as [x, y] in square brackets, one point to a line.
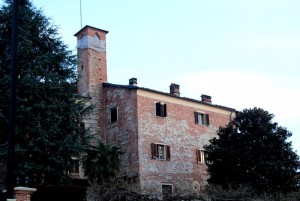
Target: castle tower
[91, 51]
[92, 72]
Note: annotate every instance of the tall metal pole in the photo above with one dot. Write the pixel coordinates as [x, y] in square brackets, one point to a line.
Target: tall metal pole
[80, 15]
[10, 181]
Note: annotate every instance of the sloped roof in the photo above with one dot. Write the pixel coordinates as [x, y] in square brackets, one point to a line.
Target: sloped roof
[167, 94]
[88, 26]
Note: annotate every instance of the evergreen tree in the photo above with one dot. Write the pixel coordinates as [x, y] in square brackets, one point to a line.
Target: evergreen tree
[48, 111]
[252, 150]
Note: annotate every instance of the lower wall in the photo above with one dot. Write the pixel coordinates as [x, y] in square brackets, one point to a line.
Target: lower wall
[23, 193]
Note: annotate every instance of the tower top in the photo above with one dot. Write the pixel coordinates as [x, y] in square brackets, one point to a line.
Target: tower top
[91, 38]
[87, 29]
[91, 53]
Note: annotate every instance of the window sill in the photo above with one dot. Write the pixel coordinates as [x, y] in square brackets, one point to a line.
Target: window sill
[202, 125]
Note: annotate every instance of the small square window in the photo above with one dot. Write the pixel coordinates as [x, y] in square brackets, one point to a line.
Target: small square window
[201, 118]
[201, 156]
[113, 115]
[160, 151]
[161, 109]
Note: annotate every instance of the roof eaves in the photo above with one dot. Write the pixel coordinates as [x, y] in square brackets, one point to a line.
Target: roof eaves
[86, 26]
[167, 94]
[106, 84]
[189, 99]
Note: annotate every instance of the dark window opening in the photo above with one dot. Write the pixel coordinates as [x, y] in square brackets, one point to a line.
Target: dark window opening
[161, 109]
[75, 168]
[113, 115]
[166, 191]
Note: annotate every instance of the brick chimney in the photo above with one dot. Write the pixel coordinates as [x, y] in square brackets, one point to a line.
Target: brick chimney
[133, 81]
[175, 89]
[206, 98]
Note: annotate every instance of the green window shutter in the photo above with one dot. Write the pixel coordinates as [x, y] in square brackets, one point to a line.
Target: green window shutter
[207, 119]
[165, 110]
[196, 118]
[198, 154]
[168, 153]
[153, 150]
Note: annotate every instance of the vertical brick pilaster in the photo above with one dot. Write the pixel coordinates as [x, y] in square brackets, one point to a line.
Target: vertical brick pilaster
[23, 193]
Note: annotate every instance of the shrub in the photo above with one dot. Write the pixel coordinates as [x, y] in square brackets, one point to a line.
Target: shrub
[240, 193]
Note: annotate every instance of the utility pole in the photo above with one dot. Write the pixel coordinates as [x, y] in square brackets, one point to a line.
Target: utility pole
[10, 180]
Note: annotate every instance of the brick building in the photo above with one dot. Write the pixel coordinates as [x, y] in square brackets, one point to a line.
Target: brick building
[162, 134]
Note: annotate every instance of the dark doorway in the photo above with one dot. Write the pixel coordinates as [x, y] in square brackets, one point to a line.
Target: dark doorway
[166, 191]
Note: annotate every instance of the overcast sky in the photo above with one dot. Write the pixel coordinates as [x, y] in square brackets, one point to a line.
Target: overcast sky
[244, 54]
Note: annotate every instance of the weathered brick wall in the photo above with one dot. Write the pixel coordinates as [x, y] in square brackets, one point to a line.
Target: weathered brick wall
[90, 88]
[124, 132]
[179, 131]
[23, 193]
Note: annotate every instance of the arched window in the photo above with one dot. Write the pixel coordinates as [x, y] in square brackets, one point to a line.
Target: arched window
[96, 39]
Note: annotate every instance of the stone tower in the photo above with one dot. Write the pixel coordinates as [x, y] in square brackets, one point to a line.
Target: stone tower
[92, 73]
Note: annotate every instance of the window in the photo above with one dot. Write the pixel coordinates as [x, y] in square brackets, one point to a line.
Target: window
[160, 151]
[161, 109]
[166, 191]
[113, 115]
[201, 118]
[96, 40]
[75, 165]
[82, 133]
[201, 156]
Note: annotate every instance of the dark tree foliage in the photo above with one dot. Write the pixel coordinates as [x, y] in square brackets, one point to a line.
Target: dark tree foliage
[252, 150]
[101, 162]
[48, 111]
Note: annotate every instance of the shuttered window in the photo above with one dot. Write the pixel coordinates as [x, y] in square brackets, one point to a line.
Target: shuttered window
[201, 118]
[201, 156]
[160, 151]
[161, 109]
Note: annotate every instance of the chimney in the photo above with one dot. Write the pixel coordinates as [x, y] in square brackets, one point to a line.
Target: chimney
[133, 81]
[206, 98]
[175, 89]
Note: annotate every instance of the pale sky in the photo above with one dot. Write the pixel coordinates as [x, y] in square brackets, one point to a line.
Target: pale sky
[243, 53]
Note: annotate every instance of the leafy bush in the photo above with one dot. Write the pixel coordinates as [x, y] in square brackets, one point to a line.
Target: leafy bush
[218, 193]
